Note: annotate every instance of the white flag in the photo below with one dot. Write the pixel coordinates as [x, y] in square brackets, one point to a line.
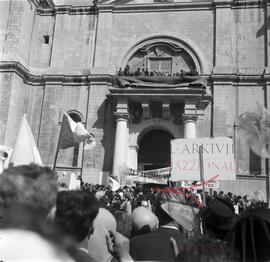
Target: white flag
[25, 150]
[114, 184]
[72, 133]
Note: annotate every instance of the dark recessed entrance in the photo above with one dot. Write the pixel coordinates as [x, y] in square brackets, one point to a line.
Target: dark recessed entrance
[155, 150]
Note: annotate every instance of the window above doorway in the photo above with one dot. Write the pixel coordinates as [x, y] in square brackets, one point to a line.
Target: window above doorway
[161, 59]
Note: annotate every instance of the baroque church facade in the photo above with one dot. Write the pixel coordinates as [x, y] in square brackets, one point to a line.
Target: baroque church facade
[65, 56]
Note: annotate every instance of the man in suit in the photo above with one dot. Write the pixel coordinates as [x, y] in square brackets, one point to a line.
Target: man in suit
[156, 245]
[143, 221]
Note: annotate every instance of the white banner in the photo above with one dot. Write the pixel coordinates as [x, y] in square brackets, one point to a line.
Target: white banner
[145, 180]
[161, 172]
[218, 159]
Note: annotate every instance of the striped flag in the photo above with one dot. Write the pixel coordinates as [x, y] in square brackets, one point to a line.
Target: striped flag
[73, 133]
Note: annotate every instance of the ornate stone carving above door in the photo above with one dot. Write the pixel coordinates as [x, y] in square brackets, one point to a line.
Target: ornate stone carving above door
[162, 58]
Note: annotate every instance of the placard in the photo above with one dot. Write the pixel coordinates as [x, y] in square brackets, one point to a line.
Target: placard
[218, 159]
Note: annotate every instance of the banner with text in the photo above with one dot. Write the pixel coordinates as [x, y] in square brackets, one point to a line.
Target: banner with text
[145, 180]
[218, 159]
[156, 176]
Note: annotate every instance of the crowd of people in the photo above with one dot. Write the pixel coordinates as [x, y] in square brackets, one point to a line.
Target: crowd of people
[135, 196]
[145, 72]
[39, 222]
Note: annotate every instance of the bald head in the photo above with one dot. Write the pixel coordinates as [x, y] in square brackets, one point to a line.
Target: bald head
[97, 247]
[143, 221]
[105, 219]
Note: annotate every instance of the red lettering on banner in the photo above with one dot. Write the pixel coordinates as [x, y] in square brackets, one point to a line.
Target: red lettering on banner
[193, 165]
[215, 165]
[225, 166]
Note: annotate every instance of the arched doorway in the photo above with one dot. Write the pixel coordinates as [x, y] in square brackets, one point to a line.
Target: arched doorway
[154, 150]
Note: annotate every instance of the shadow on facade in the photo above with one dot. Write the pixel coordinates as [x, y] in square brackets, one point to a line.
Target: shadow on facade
[264, 28]
[105, 121]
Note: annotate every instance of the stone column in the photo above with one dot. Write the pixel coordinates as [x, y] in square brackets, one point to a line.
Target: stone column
[189, 119]
[120, 145]
[189, 127]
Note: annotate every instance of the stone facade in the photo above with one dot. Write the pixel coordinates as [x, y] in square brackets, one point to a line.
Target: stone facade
[60, 55]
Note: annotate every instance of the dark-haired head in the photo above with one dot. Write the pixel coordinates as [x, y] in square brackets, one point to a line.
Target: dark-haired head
[205, 250]
[75, 213]
[30, 185]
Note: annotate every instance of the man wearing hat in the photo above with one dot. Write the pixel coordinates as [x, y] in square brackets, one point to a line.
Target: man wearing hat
[250, 237]
[218, 218]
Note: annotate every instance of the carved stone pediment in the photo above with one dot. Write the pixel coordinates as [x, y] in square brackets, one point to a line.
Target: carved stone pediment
[160, 49]
[162, 58]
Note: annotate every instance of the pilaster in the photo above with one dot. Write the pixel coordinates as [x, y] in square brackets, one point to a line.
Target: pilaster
[267, 35]
[166, 109]
[223, 37]
[146, 109]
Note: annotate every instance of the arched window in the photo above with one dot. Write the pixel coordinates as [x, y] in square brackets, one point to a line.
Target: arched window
[76, 117]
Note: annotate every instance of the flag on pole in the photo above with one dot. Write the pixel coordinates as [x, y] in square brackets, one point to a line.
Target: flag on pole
[25, 150]
[73, 133]
[114, 184]
[254, 127]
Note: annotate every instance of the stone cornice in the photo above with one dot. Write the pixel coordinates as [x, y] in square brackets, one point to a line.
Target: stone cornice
[67, 9]
[51, 79]
[249, 3]
[162, 7]
[184, 5]
[51, 10]
[240, 78]
[165, 94]
[84, 79]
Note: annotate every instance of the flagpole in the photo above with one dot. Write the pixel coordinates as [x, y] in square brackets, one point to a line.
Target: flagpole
[57, 148]
[55, 158]
[86, 118]
[41, 113]
[202, 172]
